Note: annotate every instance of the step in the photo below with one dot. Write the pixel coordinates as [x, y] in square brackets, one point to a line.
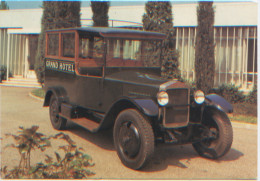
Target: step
[20, 82]
[21, 85]
[86, 123]
[31, 74]
[22, 79]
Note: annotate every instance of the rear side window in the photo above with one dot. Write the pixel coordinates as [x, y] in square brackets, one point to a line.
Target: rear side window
[68, 45]
[133, 53]
[132, 50]
[91, 47]
[53, 44]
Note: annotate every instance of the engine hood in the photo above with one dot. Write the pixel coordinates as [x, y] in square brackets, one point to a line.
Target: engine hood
[140, 78]
[134, 77]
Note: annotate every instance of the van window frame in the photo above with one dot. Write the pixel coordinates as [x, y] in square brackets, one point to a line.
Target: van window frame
[60, 47]
[92, 61]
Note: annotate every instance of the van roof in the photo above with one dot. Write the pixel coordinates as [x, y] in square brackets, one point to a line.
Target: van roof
[117, 32]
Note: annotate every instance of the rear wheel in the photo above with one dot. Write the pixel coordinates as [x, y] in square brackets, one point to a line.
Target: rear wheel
[217, 136]
[57, 122]
[133, 138]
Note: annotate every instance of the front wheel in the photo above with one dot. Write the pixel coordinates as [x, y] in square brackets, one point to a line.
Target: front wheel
[217, 136]
[57, 122]
[133, 138]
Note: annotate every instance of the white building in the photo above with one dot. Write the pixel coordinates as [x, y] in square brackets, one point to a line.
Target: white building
[235, 38]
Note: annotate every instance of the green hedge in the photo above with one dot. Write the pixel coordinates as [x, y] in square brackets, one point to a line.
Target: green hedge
[232, 94]
[3, 73]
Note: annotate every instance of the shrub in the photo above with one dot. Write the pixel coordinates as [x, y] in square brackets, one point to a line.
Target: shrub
[170, 64]
[3, 73]
[252, 97]
[73, 165]
[39, 92]
[230, 93]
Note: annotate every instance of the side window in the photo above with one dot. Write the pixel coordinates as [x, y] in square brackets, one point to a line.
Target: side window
[84, 48]
[132, 50]
[68, 45]
[98, 49]
[124, 53]
[114, 48]
[53, 44]
[91, 47]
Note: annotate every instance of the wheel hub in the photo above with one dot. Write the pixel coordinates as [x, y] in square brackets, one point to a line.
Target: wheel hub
[54, 112]
[129, 139]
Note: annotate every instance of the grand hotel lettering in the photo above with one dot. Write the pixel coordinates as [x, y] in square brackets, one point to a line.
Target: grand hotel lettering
[60, 66]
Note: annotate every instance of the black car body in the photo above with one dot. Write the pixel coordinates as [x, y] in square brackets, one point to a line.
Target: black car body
[104, 77]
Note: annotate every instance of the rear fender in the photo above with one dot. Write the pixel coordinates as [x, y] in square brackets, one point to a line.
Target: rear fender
[58, 92]
[219, 102]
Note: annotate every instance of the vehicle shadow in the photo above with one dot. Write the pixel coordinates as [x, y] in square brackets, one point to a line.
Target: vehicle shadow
[165, 155]
[103, 139]
[181, 156]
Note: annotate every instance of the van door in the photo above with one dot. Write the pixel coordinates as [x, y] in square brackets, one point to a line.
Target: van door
[90, 69]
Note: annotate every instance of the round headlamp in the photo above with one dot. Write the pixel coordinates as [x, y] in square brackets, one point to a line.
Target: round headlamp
[199, 97]
[162, 98]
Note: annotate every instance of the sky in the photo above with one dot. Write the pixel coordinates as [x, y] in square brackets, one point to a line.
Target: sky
[32, 4]
[37, 4]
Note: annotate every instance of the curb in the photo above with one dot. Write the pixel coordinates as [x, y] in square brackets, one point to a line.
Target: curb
[238, 124]
[35, 97]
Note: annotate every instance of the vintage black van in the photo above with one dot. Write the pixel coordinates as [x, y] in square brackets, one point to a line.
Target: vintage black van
[101, 78]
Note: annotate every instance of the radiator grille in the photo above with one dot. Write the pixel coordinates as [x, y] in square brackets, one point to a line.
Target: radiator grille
[176, 114]
[178, 96]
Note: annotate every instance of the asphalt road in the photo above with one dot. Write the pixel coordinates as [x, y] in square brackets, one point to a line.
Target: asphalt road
[169, 162]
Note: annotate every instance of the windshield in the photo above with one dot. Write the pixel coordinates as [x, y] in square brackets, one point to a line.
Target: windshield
[133, 53]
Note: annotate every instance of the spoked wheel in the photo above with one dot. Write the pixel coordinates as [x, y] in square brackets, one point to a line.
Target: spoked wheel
[217, 136]
[57, 122]
[133, 138]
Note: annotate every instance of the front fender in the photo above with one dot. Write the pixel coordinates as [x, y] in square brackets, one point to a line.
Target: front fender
[219, 102]
[148, 106]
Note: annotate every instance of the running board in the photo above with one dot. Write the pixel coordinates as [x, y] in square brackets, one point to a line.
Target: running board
[86, 123]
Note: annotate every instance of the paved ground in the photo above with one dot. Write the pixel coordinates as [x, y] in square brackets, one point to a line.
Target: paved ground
[170, 162]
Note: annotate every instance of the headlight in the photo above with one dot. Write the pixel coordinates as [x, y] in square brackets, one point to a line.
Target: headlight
[162, 98]
[199, 97]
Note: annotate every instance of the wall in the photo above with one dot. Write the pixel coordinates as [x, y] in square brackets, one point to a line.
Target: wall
[235, 54]
[14, 52]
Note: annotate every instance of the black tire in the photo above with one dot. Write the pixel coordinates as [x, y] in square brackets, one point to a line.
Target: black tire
[133, 138]
[220, 135]
[57, 122]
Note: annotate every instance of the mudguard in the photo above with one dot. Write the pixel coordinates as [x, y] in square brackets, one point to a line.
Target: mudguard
[219, 102]
[59, 92]
[147, 106]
